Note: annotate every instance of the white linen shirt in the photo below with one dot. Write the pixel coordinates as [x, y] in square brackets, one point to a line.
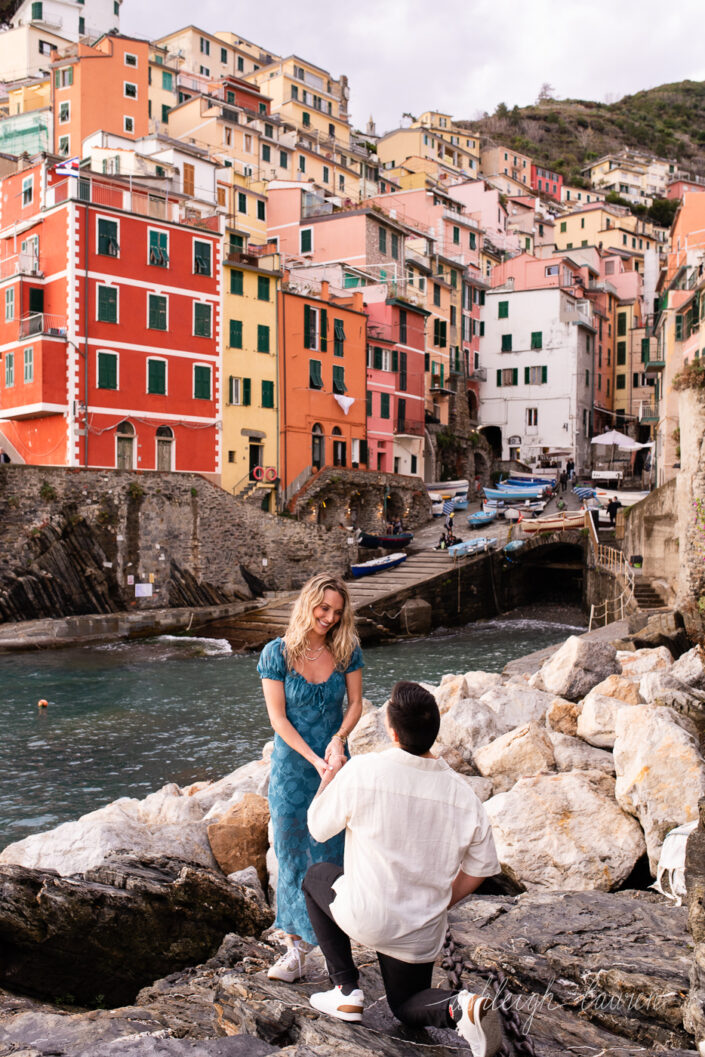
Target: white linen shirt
[411, 823]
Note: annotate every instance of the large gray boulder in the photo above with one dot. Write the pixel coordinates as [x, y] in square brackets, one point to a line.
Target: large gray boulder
[102, 935]
[572, 754]
[576, 667]
[660, 771]
[520, 753]
[565, 832]
[690, 668]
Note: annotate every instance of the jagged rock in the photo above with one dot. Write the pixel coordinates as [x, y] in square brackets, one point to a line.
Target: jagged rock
[467, 726]
[478, 683]
[216, 797]
[562, 716]
[239, 838]
[572, 754]
[576, 667]
[515, 704]
[119, 827]
[690, 668]
[564, 831]
[694, 1012]
[106, 933]
[454, 760]
[520, 753]
[370, 734]
[660, 771]
[596, 722]
[452, 688]
[639, 662]
[481, 787]
[619, 687]
[663, 688]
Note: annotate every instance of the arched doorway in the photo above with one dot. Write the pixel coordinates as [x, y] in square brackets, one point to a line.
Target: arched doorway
[125, 446]
[493, 436]
[318, 451]
[339, 447]
[165, 448]
[473, 405]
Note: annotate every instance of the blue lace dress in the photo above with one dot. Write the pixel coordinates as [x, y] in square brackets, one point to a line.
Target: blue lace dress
[316, 711]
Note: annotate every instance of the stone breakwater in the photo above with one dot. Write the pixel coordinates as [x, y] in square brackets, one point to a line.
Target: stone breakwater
[583, 764]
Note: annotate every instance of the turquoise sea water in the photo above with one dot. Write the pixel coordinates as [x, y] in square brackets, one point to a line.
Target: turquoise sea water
[126, 718]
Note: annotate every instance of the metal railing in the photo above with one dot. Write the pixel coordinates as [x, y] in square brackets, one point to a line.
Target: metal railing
[43, 323]
[613, 562]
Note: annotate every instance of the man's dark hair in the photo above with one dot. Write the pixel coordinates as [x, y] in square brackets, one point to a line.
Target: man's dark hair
[414, 717]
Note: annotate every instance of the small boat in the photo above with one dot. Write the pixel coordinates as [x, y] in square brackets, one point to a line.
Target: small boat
[468, 547]
[376, 565]
[506, 493]
[481, 517]
[575, 519]
[625, 498]
[530, 507]
[513, 482]
[387, 541]
[513, 545]
[448, 488]
[460, 501]
[437, 502]
[534, 478]
[583, 492]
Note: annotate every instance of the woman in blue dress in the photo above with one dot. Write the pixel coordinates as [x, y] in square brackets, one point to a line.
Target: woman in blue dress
[305, 678]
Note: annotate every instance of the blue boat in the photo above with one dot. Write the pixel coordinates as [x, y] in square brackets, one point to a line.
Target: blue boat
[468, 547]
[515, 494]
[376, 565]
[513, 545]
[460, 502]
[481, 517]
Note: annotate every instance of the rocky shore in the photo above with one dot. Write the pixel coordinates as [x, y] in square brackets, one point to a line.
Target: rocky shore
[145, 927]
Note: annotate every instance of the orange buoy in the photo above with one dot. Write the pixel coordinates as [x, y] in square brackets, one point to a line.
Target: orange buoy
[42, 702]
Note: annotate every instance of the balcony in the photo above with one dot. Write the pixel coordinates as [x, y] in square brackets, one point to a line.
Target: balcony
[654, 366]
[19, 264]
[405, 427]
[649, 412]
[439, 386]
[43, 323]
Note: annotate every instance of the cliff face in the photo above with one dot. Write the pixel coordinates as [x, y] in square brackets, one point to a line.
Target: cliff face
[690, 505]
[86, 541]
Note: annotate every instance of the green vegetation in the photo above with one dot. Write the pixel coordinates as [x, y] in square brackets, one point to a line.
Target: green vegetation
[135, 490]
[567, 134]
[47, 493]
[692, 376]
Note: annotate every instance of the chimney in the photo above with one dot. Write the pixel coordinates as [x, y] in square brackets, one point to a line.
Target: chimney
[324, 290]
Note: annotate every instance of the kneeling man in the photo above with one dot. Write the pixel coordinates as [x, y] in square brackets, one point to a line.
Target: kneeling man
[417, 840]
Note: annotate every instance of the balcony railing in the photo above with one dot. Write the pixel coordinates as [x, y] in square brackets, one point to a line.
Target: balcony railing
[408, 427]
[43, 323]
[19, 264]
[649, 412]
[654, 366]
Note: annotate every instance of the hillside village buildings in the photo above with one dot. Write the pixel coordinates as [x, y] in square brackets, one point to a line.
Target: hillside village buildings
[205, 267]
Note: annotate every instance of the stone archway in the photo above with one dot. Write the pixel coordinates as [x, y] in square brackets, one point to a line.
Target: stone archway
[493, 436]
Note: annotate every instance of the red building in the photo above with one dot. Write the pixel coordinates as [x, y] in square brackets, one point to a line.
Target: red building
[111, 324]
[546, 182]
[395, 386]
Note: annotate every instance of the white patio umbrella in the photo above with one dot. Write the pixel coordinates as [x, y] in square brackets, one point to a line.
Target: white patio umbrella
[618, 440]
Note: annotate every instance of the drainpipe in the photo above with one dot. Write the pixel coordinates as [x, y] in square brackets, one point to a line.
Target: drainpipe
[85, 328]
[282, 394]
[279, 396]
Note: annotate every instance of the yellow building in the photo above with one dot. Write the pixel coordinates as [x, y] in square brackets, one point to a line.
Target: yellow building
[33, 95]
[212, 55]
[250, 373]
[163, 92]
[503, 161]
[606, 226]
[631, 174]
[307, 97]
[434, 145]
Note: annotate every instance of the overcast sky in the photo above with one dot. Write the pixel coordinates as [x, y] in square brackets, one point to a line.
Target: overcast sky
[459, 56]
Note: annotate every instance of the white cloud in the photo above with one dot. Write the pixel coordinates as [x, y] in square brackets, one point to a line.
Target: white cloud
[461, 56]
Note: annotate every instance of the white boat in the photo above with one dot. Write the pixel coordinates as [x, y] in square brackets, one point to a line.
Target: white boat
[437, 502]
[625, 498]
[573, 519]
[376, 565]
[447, 489]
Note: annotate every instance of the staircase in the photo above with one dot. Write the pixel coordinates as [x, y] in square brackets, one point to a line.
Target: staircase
[259, 625]
[646, 595]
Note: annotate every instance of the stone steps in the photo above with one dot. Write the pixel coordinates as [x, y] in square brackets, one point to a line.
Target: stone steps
[647, 596]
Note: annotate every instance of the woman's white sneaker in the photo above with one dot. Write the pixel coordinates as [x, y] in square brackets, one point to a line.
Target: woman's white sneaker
[336, 1004]
[290, 966]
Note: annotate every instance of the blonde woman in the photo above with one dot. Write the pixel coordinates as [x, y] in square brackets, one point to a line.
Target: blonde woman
[305, 678]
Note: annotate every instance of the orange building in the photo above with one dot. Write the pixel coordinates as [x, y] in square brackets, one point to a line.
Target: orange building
[322, 380]
[103, 86]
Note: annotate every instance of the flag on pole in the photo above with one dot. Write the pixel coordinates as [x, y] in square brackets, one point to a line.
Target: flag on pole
[68, 167]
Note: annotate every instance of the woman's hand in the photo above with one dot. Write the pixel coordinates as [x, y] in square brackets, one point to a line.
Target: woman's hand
[336, 747]
[324, 769]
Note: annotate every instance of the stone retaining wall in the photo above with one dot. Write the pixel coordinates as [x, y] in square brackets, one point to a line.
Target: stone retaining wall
[70, 540]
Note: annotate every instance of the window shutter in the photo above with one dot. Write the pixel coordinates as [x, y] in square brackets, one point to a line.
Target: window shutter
[156, 379]
[644, 350]
[402, 371]
[515, 376]
[377, 358]
[307, 327]
[499, 376]
[246, 391]
[236, 282]
[544, 375]
[267, 394]
[231, 389]
[527, 376]
[324, 330]
[363, 451]
[368, 402]
[235, 334]
[202, 382]
[262, 338]
[339, 380]
[395, 360]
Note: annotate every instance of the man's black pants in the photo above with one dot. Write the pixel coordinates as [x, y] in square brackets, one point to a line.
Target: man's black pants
[411, 998]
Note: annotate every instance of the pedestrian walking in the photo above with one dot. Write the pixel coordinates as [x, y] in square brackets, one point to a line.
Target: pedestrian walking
[564, 480]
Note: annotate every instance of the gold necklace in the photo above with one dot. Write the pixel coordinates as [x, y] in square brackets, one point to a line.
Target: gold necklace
[313, 655]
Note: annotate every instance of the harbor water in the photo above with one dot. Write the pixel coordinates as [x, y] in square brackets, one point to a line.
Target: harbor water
[123, 719]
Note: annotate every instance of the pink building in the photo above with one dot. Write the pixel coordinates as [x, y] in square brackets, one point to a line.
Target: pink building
[395, 386]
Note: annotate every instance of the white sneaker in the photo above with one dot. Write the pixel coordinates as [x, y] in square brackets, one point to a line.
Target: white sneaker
[290, 966]
[336, 1004]
[479, 1024]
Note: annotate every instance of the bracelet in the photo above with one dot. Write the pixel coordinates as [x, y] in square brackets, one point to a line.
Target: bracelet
[341, 737]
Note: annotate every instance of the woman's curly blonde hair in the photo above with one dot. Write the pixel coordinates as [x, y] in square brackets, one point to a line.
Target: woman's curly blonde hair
[341, 639]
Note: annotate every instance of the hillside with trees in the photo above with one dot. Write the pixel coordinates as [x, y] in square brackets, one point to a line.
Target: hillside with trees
[567, 134]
